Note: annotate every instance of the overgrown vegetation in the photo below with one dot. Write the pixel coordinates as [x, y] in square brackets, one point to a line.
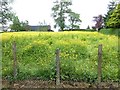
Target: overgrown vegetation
[79, 50]
[114, 21]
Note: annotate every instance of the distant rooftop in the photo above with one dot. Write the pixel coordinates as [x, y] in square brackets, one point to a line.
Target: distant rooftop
[39, 28]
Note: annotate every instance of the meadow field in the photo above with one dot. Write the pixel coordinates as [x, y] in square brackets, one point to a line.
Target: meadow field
[78, 55]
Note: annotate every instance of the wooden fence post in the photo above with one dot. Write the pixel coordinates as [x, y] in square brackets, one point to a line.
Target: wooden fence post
[99, 63]
[14, 60]
[57, 67]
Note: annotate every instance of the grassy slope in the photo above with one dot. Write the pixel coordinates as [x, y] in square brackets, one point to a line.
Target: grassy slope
[36, 55]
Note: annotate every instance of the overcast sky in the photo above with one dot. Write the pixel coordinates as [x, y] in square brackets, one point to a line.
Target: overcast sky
[36, 11]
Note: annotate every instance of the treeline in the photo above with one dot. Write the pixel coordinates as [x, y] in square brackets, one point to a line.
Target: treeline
[62, 13]
[109, 20]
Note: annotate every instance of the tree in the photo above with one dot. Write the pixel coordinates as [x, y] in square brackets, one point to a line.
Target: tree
[5, 11]
[111, 7]
[16, 24]
[74, 19]
[99, 22]
[88, 27]
[25, 26]
[114, 21]
[60, 9]
[19, 26]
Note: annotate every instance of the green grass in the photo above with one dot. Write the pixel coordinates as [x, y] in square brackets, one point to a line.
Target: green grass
[79, 55]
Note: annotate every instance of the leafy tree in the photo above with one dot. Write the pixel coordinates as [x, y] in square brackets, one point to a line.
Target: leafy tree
[99, 22]
[60, 9]
[111, 7]
[25, 26]
[74, 19]
[16, 24]
[114, 21]
[19, 26]
[5, 11]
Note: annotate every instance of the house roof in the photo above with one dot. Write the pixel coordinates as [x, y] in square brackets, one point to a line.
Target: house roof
[38, 27]
[34, 27]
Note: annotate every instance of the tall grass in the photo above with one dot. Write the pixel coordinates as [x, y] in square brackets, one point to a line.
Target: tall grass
[78, 57]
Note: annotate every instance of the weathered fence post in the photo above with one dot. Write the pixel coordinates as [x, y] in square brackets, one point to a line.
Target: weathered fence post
[57, 67]
[99, 63]
[14, 60]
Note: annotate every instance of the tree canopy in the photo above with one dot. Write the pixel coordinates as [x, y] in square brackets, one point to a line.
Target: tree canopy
[74, 19]
[114, 21]
[62, 13]
[111, 7]
[5, 11]
[60, 9]
[19, 26]
[99, 22]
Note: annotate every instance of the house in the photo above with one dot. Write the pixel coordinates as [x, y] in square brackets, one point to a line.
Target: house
[40, 28]
[34, 28]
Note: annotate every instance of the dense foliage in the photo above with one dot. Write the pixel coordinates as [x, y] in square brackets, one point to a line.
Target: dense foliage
[79, 50]
[114, 21]
[111, 7]
[19, 25]
[16, 24]
[5, 11]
